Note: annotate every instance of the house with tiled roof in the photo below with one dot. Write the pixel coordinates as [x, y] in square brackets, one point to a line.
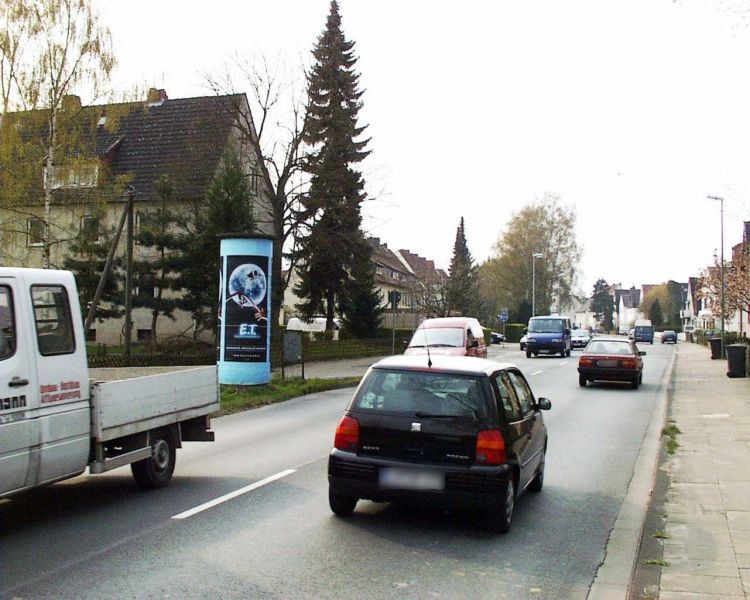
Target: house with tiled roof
[130, 145]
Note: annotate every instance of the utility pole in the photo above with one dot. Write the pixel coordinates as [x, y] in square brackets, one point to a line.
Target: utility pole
[129, 277]
[533, 281]
[721, 269]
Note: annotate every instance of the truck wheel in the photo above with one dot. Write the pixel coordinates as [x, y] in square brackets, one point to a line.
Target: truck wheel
[155, 472]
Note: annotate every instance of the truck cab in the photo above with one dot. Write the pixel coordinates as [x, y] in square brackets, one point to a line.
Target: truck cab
[44, 392]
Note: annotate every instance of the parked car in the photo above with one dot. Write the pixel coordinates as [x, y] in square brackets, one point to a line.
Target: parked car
[463, 433]
[668, 336]
[579, 338]
[523, 342]
[456, 336]
[611, 359]
[497, 338]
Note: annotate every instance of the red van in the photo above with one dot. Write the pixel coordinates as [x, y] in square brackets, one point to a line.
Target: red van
[455, 336]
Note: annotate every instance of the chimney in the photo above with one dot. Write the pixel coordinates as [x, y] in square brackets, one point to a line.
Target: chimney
[156, 97]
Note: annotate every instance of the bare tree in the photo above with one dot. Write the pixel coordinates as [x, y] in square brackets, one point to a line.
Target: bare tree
[273, 128]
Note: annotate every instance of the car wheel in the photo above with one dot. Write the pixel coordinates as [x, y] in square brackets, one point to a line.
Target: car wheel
[567, 353]
[582, 381]
[538, 482]
[499, 517]
[343, 506]
[155, 472]
[528, 353]
[634, 384]
[640, 378]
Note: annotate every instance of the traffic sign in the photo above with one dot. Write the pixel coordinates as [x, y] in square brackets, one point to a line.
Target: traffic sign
[503, 316]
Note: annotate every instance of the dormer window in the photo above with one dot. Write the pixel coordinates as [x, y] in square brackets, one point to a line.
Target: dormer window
[72, 176]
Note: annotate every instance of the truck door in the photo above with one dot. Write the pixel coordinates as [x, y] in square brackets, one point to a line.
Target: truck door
[62, 378]
[19, 431]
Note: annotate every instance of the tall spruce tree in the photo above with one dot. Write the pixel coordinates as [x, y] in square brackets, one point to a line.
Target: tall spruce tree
[463, 283]
[602, 304]
[362, 303]
[332, 207]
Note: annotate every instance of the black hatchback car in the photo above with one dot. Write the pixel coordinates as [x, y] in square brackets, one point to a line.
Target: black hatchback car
[453, 432]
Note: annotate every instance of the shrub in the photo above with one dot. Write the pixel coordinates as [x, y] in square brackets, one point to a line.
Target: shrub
[514, 331]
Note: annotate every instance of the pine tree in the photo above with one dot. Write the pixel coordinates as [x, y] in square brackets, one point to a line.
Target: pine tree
[88, 254]
[463, 284]
[332, 207]
[362, 303]
[656, 315]
[159, 273]
[226, 208]
[602, 304]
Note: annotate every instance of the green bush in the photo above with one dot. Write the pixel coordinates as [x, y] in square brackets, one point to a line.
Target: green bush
[514, 331]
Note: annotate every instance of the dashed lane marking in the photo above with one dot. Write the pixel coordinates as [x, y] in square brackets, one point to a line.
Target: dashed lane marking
[234, 494]
[536, 373]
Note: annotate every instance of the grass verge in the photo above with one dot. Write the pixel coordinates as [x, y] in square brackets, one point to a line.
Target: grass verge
[671, 430]
[236, 398]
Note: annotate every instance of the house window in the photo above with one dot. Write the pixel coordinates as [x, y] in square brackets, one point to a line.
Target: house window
[145, 285]
[34, 232]
[142, 221]
[144, 335]
[90, 228]
[72, 176]
[252, 180]
[91, 335]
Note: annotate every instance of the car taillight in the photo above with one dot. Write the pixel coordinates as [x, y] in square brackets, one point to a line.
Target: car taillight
[490, 448]
[627, 363]
[347, 434]
[586, 362]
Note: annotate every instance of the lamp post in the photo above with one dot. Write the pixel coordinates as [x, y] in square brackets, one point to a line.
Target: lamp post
[533, 281]
[721, 269]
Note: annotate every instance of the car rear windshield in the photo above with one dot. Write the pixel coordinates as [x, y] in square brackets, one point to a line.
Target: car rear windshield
[452, 337]
[545, 326]
[423, 393]
[608, 347]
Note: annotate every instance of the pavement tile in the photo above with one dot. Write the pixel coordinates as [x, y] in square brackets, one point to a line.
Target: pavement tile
[741, 541]
[745, 575]
[701, 584]
[728, 472]
[696, 596]
[738, 519]
[743, 561]
[699, 534]
[674, 549]
[735, 495]
[714, 518]
[715, 568]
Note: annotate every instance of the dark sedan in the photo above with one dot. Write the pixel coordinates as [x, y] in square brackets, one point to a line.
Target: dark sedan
[668, 337]
[454, 432]
[611, 359]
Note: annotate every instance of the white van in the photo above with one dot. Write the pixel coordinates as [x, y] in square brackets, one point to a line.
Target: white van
[315, 326]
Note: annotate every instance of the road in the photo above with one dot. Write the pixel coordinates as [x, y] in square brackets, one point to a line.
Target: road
[101, 537]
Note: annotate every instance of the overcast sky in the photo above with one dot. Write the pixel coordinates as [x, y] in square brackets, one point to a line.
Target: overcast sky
[630, 112]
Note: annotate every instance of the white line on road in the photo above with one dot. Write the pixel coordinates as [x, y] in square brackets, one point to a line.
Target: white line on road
[234, 494]
[536, 372]
[563, 363]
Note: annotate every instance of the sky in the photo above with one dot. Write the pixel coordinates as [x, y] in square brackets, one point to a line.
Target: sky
[631, 113]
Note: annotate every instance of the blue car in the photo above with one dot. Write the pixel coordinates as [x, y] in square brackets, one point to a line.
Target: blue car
[548, 335]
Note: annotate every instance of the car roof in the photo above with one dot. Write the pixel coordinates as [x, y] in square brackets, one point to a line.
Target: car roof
[447, 322]
[549, 317]
[440, 363]
[611, 338]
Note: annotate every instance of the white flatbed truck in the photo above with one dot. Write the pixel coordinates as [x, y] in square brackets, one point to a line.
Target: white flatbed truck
[55, 421]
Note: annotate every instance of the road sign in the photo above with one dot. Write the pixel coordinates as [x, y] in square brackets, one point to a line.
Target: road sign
[503, 316]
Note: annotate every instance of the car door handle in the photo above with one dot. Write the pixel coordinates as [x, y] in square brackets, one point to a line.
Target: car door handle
[18, 382]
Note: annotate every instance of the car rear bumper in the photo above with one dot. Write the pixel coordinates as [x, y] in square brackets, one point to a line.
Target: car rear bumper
[470, 487]
[608, 374]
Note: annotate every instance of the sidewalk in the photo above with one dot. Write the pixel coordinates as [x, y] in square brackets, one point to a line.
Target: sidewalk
[707, 523]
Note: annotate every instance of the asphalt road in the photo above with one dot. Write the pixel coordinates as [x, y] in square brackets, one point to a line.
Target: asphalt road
[101, 537]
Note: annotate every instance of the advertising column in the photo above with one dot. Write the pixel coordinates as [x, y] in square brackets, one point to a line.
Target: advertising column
[244, 309]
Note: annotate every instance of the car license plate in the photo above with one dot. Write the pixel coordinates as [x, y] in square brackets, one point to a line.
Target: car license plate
[606, 363]
[411, 479]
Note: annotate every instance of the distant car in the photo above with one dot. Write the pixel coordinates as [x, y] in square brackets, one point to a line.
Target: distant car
[611, 359]
[523, 342]
[579, 338]
[668, 336]
[497, 338]
[465, 433]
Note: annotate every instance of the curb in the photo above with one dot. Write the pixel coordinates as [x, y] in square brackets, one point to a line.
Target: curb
[615, 573]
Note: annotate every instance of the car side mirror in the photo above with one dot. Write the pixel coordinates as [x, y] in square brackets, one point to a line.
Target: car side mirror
[641, 353]
[473, 344]
[544, 404]
[526, 330]
[405, 343]
[566, 331]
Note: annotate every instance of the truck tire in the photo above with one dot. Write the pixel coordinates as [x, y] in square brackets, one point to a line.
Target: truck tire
[155, 472]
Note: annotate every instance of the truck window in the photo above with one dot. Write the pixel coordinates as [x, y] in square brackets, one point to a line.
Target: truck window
[7, 324]
[54, 325]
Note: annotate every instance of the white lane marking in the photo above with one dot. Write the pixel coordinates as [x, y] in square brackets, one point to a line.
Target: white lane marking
[562, 364]
[536, 372]
[234, 494]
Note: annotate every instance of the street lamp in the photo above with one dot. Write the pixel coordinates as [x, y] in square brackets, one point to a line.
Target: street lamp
[721, 200]
[533, 281]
